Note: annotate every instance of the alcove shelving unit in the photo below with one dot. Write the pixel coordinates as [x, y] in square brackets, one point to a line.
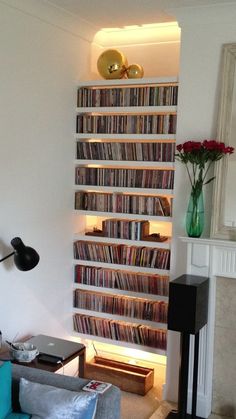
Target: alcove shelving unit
[124, 179]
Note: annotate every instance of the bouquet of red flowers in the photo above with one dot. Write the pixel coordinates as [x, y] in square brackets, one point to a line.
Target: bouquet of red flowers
[198, 157]
[201, 155]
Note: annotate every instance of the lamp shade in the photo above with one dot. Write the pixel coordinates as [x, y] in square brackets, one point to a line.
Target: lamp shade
[25, 257]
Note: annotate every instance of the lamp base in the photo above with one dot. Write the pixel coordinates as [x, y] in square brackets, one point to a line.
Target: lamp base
[174, 414]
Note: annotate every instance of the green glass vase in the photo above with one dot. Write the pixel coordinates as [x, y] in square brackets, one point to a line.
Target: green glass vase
[195, 214]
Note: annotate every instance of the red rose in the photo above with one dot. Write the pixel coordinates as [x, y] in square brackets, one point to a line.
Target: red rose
[196, 145]
[210, 144]
[179, 147]
[188, 146]
[221, 147]
[229, 150]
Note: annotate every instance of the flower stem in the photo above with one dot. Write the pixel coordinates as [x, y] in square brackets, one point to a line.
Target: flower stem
[189, 175]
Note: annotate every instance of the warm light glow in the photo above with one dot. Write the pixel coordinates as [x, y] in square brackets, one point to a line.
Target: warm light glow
[137, 35]
[128, 353]
[94, 140]
[132, 362]
[165, 229]
[91, 221]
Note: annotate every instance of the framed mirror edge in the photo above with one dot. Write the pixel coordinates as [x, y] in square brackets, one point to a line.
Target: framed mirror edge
[228, 72]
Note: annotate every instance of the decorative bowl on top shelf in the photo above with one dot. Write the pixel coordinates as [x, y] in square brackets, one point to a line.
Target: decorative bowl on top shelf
[24, 352]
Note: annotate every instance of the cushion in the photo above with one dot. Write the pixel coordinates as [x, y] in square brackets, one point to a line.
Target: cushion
[5, 389]
[44, 401]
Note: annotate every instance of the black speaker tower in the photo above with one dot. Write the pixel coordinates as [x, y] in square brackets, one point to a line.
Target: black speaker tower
[187, 314]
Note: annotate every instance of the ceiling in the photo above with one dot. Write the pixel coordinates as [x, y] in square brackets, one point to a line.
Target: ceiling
[119, 13]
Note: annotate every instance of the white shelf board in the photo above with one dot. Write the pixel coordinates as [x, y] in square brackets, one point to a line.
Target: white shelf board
[133, 190]
[128, 163]
[117, 291]
[143, 137]
[123, 215]
[147, 110]
[130, 268]
[105, 315]
[120, 343]
[160, 245]
[128, 82]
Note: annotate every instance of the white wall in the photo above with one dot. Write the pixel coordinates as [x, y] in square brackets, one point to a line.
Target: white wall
[203, 32]
[40, 64]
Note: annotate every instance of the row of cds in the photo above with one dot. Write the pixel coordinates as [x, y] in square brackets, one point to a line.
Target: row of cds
[122, 280]
[138, 308]
[126, 124]
[126, 151]
[124, 204]
[165, 95]
[125, 178]
[121, 254]
[125, 229]
[120, 331]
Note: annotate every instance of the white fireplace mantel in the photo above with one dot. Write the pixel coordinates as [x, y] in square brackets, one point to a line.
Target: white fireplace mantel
[211, 258]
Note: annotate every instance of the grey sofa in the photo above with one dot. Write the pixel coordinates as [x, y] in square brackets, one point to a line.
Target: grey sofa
[108, 406]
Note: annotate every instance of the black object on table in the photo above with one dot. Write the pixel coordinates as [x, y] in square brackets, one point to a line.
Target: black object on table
[187, 314]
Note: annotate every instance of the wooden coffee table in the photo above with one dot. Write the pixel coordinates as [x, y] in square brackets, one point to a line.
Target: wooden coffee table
[36, 363]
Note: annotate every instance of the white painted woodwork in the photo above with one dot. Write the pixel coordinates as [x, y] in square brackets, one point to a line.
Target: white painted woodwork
[211, 258]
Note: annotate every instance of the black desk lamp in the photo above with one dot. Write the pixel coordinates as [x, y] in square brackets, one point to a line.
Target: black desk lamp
[25, 257]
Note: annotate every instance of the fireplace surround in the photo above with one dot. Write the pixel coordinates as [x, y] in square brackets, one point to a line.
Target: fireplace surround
[215, 259]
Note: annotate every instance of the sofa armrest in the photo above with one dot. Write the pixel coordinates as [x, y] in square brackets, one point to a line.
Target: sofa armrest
[108, 406]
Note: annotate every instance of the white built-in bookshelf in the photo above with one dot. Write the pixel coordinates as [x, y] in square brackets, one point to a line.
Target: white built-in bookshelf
[124, 180]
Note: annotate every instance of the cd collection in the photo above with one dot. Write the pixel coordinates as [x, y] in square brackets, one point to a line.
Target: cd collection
[139, 308]
[126, 151]
[162, 95]
[125, 178]
[120, 331]
[123, 203]
[126, 124]
[122, 280]
[121, 254]
[125, 229]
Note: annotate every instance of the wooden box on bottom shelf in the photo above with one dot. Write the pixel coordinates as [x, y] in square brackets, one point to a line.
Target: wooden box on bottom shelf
[127, 377]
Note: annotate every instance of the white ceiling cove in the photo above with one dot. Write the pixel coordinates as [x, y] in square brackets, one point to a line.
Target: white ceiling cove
[119, 13]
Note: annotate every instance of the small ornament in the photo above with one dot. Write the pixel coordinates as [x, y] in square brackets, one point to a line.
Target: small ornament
[135, 71]
[112, 64]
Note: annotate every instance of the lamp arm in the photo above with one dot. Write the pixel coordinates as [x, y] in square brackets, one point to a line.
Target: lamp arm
[6, 257]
